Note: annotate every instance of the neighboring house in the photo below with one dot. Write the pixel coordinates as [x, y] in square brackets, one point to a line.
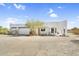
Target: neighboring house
[19, 29]
[50, 28]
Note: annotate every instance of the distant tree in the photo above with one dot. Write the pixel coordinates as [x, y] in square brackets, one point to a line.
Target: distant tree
[75, 30]
[3, 30]
[0, 27]
[33, 25]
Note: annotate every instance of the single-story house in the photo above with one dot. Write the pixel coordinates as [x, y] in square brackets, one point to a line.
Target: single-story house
[19, 29]
[49, 28]
[54, 28]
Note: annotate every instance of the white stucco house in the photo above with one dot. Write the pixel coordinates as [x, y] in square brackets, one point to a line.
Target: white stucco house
[49, 28]
[54, 28]
[19, 29]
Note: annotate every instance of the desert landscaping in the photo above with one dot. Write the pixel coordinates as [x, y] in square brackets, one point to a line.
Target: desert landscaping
[39, 46]
[39, 29]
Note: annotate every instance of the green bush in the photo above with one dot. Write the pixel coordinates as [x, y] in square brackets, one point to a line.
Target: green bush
[33, 25]
[3, 30]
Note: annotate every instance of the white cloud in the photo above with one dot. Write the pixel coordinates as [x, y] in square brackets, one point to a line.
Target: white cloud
[72, 22]
[11, 20]
[59, 7]
[51, 10]
[19, 6]
[2, 4]
[78, 17]
[53, 15]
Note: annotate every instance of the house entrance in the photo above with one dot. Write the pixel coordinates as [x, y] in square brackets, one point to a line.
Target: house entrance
[52, 30]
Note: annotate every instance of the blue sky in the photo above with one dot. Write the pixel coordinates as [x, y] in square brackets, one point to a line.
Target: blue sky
[47, 12]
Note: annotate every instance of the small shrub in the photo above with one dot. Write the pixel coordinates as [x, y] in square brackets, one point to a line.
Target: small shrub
[75, 31]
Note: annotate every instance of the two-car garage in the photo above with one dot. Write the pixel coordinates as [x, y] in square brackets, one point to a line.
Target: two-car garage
[19, 29]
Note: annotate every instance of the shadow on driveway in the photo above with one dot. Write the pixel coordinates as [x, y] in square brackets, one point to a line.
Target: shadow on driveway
[75, 41]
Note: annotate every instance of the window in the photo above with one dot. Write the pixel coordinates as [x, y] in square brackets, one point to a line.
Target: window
[43, 29]
[52, 30]
[64, 31]
[55, 30]
[13, 27]
[22, 27]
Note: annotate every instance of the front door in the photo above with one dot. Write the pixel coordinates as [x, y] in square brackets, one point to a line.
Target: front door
[52, 31]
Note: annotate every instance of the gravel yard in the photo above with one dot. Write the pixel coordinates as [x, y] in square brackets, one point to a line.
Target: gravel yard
[39, 46]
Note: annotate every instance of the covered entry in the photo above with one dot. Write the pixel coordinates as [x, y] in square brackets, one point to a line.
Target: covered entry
[53, 31]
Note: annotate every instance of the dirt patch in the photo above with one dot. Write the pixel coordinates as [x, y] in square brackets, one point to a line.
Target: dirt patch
[38, 46]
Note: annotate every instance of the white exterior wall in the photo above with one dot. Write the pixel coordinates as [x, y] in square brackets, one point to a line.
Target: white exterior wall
[46, 32]
[24, 31]
[60, 26]
[17, 25]
[20, 28]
